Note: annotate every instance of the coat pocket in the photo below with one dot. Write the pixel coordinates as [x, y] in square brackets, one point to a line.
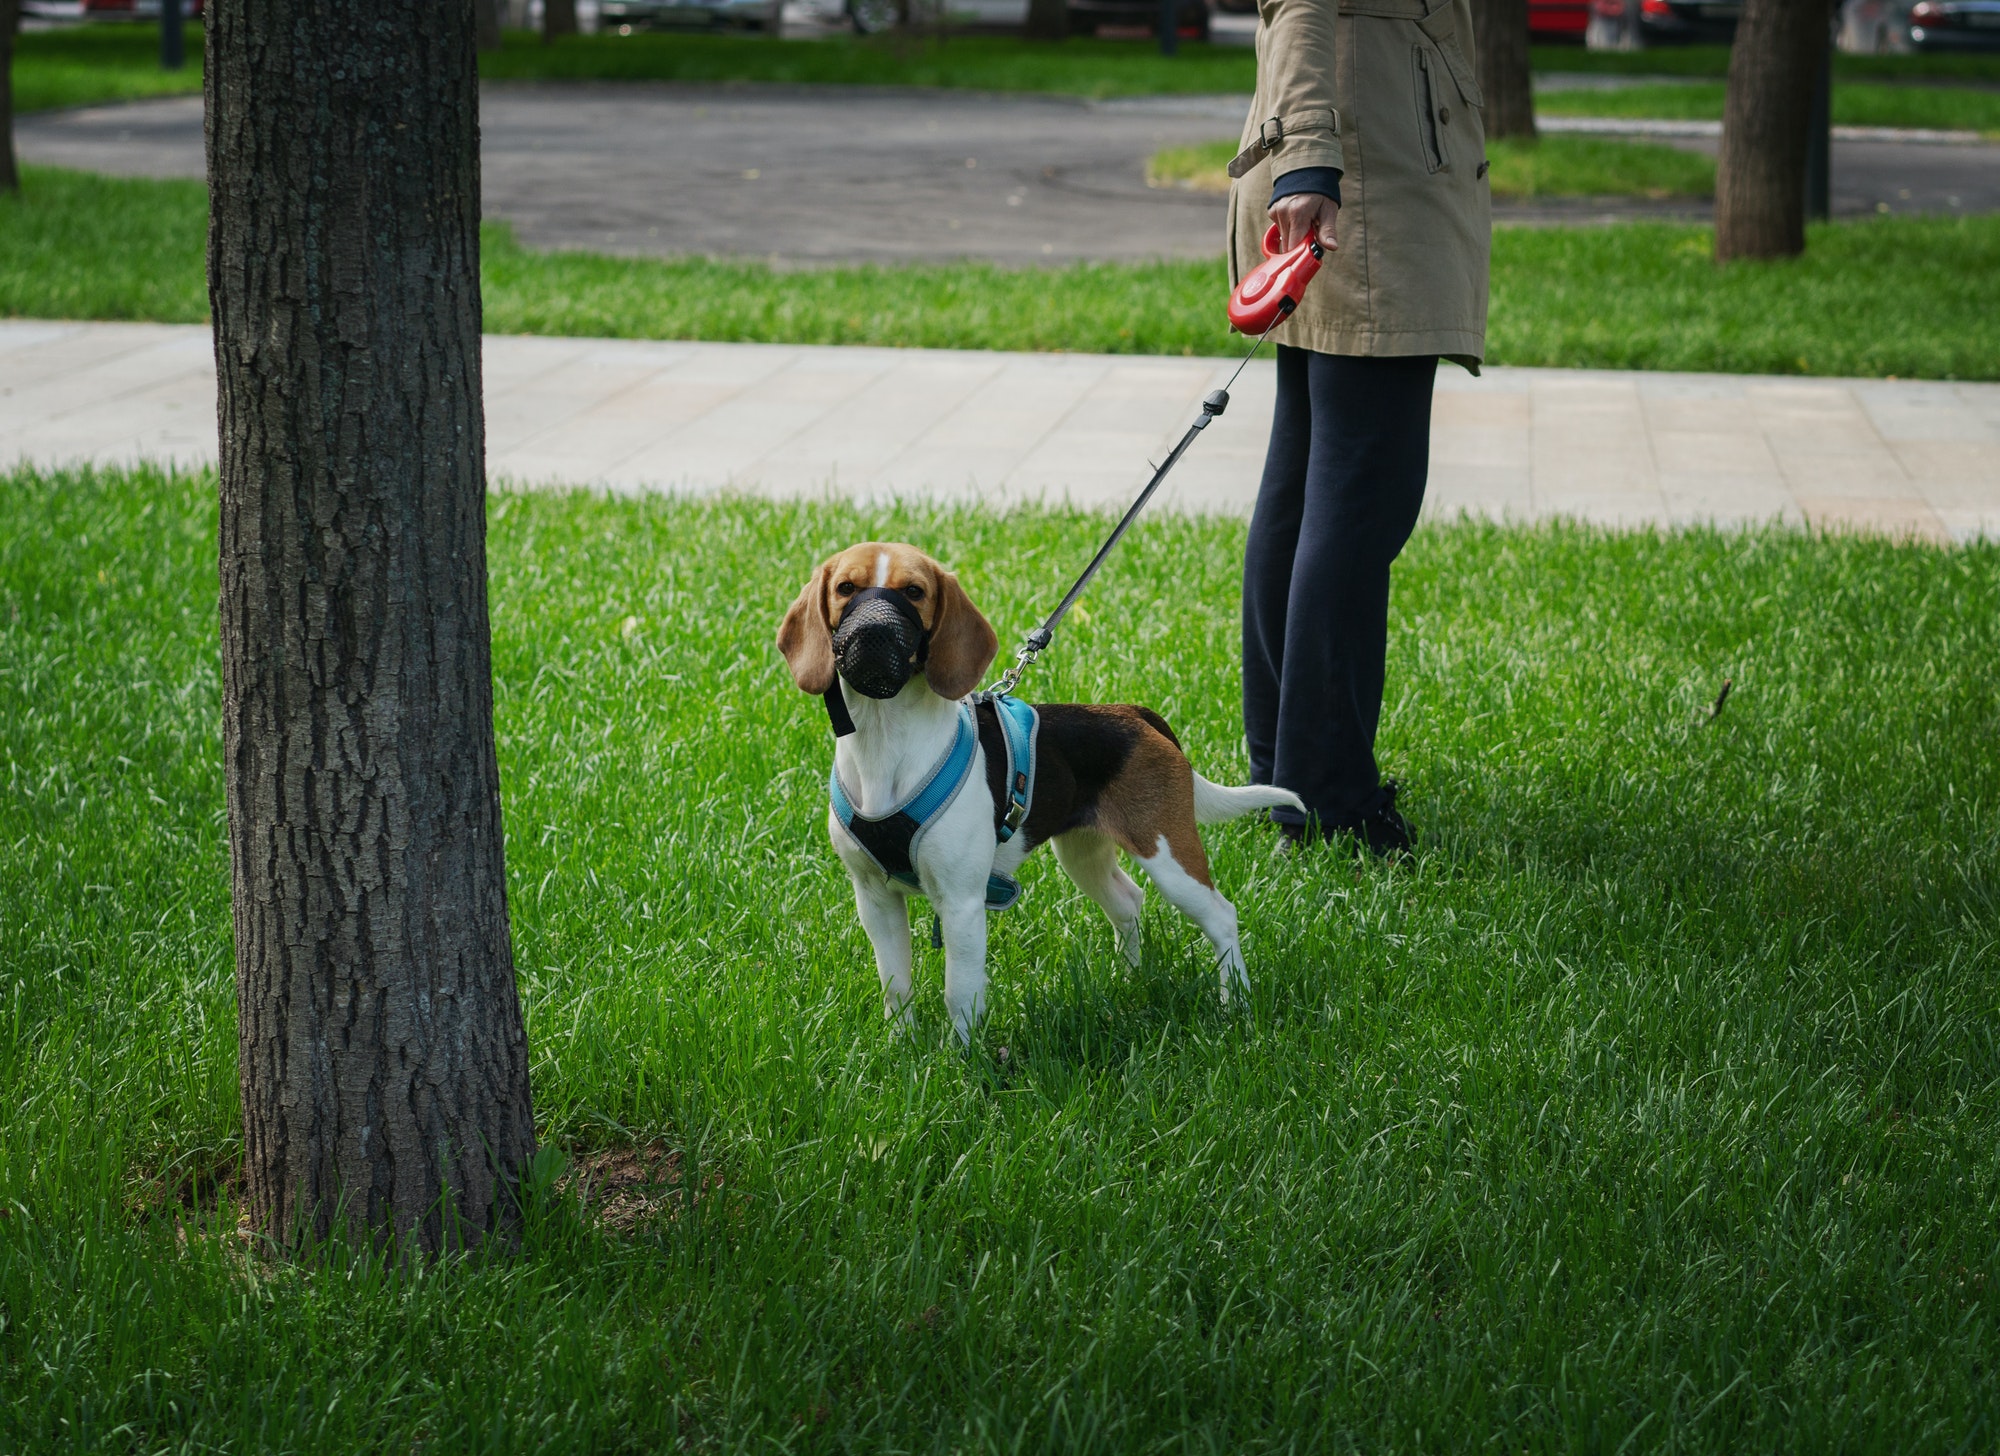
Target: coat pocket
[1424, 66]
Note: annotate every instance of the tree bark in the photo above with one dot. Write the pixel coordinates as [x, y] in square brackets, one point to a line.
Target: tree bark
[10, 20]
[1500, 29]
[1048, 20]
[487, 13]
[382, 1060]
[1760, 177]
[558, 19]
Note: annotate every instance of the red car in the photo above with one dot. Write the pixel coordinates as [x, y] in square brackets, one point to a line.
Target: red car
[1558, 20]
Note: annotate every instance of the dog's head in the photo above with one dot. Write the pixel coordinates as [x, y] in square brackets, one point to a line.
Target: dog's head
[930, 615]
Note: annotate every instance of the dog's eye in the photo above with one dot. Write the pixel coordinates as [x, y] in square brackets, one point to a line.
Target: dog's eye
[914, 592]
[845, 589]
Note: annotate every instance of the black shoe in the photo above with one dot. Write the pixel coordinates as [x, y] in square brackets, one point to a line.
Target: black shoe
[1384, 832]
[1379, 829]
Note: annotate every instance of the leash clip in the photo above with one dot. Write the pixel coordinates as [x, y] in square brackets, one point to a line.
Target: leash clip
[1031, 648]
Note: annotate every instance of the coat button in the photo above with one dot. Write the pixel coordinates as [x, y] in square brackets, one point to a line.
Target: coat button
[1444, 115]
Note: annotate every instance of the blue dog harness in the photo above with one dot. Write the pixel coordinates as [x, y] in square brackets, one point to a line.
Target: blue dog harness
[891, 839]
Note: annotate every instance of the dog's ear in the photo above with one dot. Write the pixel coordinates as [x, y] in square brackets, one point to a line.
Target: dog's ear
[804, 638]
[962, 641]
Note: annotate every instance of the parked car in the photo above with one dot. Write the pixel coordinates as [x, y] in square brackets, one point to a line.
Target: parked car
[1891, 27]
[1086, 15]
[1558, 20]
[1630, 25]
[134, 9]
[682, 14]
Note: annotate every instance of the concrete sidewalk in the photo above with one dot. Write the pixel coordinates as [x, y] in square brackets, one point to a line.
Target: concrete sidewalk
[1616, 448]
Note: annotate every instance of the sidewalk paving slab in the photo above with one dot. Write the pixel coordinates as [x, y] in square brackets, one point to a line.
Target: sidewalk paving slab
[1615, 448]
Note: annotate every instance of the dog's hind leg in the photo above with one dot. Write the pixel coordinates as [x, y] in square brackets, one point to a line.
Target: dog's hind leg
[1189, 890]
[887, 920]
[1091, 860]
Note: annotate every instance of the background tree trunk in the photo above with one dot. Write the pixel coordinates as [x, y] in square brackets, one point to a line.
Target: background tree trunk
[1760, 178]
[1048, 20]
[383, 1066]
[558, 19]
[487, 13]
[1500, 30]
[10, 19]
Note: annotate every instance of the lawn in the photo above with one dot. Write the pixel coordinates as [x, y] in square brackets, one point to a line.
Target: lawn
[1713, 60]
[83, 65]
[1553, 166]
[86, 65]
[1944, 108]
[1655, 1108]
[1076, 67]
[1913, 297]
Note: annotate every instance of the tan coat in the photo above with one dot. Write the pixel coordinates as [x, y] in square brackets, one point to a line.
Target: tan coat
[1397, 82]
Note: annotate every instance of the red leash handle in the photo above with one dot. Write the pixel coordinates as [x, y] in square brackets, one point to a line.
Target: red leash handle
[1271, 290]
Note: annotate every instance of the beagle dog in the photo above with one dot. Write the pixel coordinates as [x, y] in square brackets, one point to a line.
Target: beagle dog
[901, 634]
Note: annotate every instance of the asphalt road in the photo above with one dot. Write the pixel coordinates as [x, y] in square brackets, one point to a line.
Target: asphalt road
[822, 175]
[802, 174]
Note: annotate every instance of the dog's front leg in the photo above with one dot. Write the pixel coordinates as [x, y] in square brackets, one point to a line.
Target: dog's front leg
[887, 920]
[963, 920]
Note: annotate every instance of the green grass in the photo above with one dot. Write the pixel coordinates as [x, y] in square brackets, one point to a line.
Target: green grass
[1914, 297]
[1713, 60]
[1910, 297]
[1128, 68]
[87, 65]
[1946, 108]
[1655, 1109]
[77, 245]
[1554, 166]
[1582, 166]
[1079, 67]
[1688, 60]
[1076, 67]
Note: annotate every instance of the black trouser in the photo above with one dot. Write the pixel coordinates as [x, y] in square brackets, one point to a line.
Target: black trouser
[1350, 450]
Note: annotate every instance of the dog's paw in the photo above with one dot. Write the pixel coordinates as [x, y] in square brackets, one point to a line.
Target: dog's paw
[1235, 979]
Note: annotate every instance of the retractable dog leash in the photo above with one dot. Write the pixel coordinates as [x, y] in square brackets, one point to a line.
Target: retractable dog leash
[1263, 300]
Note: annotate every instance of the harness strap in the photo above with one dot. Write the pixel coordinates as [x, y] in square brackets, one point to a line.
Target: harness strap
[1007, 729]
[890, 839]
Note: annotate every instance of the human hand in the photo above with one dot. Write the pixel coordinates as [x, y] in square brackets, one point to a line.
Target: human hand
[1297, 216]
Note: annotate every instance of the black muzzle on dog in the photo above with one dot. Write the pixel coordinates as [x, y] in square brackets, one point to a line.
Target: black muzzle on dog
[881, 642]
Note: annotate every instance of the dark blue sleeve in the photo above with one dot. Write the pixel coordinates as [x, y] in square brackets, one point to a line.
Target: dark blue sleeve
[1323, 180]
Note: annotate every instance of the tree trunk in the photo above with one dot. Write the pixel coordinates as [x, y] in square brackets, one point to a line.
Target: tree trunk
[1760, 178]
[10, 20]
[1048, 20]
[487, 13]
[558, 19]
[383, 1065]
[1500, 30]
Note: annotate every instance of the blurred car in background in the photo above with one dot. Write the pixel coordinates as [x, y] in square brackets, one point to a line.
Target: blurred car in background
[1558, 20]
[1895, 27]
[687, 14]
[1085, 16]
[1631, 25]
[134, 9]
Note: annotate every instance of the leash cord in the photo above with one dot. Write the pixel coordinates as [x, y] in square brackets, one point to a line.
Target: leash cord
[1037, 641]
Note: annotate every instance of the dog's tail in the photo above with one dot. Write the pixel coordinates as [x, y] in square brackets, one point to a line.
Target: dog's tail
[1215, 804]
